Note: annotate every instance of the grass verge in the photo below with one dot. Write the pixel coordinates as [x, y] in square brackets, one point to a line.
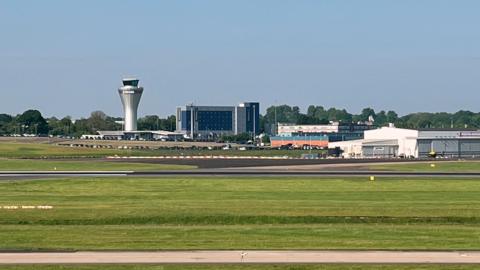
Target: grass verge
[91, 165]
[45, 150]
[443, 166]
[239, 213]
[211, 237]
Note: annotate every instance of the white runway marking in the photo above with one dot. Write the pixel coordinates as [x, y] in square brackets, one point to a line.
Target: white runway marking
[14, 207]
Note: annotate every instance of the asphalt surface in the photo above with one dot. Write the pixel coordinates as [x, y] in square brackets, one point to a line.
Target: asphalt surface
[274, 172]
[16, 175]
[277, 257]
[230, 162]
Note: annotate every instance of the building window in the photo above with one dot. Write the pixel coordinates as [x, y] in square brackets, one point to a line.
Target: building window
[215, 120]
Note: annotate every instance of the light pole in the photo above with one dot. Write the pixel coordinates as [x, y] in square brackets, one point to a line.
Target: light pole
[191, 121]
[310, 142]
[275, 110]
[254, 126]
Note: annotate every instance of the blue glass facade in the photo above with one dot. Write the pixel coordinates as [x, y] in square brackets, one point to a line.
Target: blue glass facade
[344, 136]
[186, 118]
[208, 120]
[215, 120]
[253, 116]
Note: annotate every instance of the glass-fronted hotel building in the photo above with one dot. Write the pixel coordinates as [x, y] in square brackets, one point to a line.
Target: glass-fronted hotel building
[206, 121]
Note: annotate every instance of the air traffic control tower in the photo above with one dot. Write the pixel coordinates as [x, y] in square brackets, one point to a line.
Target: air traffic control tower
[130, 94]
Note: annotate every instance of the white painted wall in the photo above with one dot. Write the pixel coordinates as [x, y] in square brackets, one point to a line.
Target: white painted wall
[407, 138]
[407, 141]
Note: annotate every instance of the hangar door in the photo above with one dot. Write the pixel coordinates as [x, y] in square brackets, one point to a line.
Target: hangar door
[380, 151]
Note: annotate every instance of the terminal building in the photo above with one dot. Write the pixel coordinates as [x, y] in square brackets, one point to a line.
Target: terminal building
[142, 135]
[390, 142]
[316, 136]
[209, 122]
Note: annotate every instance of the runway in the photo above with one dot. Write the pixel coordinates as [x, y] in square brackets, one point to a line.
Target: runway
[232, 162]
[319, 173]
[236, 257]
[12, 175]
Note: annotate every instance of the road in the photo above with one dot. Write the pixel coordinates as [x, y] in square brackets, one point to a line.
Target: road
[277, 257]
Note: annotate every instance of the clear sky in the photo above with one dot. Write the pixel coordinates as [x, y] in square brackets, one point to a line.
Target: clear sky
[68, 57]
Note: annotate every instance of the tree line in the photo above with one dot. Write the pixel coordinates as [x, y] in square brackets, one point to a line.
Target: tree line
[32, 121]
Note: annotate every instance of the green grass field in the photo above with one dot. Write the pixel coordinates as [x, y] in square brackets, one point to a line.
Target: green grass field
[37, 150]
[241, 213]
[443, 166]
[40, 150]
[93, 165]
[243, 267]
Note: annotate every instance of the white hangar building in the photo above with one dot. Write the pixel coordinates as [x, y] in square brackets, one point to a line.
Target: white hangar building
[390, 142]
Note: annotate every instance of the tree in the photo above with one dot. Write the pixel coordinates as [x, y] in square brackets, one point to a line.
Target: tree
[464, 119]
[67, 125]
[100, 121]
[97, 120]
[311, 110]
[81, 127]
[366, 113]
[149, 122]
[5, 118]
[392, 116]
[280, 114]
[54, 126]
[6, 121]
[60, 127]
[381, 119]
[170, 123]
[32, 121]
[337, 115]
[318, 112]
[304, 119]
[153, 122]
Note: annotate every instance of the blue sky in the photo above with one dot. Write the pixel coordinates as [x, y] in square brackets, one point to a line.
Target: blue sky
[68, 57]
